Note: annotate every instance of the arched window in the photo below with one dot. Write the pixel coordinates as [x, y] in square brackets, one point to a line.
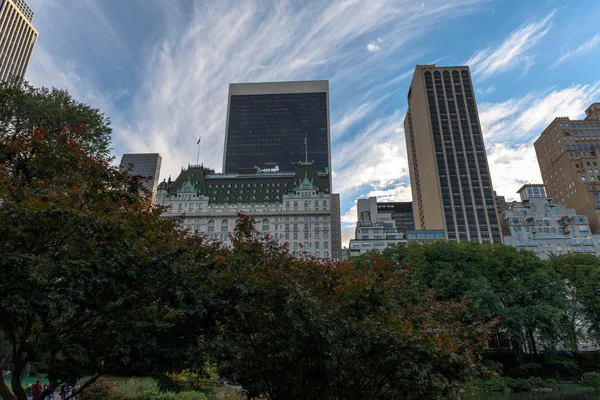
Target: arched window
[224, 226]
[211, 226]
[265, 225]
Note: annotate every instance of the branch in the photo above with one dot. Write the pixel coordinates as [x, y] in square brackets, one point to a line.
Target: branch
[85, 385]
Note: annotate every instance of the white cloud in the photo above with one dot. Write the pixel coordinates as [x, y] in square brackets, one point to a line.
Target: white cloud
[513, 51]
[373, 47]
[512, 167]
[581, 50]
[521, 120]
[486, 91]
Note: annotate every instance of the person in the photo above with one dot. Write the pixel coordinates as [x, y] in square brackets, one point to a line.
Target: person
[64, 391]
[37, 389]
[29, 390]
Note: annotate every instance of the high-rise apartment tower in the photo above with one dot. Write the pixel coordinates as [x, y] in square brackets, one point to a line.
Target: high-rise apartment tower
[17, 38]
[568, 156]
[450, 179]
[146, 165]
[277, 125]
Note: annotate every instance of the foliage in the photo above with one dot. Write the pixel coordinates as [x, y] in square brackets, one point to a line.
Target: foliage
[525, 293]
[591, 379]
[582, 273]
[135, 390]
[307, 328]
[89, 271]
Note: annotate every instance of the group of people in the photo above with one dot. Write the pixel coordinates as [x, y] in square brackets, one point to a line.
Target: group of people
[66, 390]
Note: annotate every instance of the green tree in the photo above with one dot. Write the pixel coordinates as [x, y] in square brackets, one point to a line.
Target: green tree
[582, 274]
[89, 272]
[498, 281]
[291, 328]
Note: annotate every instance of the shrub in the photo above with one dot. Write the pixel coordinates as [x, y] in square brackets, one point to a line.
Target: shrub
[518, 385]
[591, 379]
[156, 395]
[101, 389]
[132, 387]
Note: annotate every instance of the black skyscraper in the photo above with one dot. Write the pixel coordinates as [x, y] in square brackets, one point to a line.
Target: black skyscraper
[277, 124]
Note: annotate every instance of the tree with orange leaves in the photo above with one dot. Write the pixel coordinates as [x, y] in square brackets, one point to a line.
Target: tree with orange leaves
[88, 269]
[294, 328]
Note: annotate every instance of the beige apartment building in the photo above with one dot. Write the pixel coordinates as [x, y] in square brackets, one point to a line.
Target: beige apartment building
[450, 179]
[567, 153]
[17, 38]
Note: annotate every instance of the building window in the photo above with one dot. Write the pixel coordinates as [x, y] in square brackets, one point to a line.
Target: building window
[211, 226]
[224, 226]
[265, 225]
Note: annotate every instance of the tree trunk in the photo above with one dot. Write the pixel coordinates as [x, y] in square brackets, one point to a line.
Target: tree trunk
[5, 391]
[15, 381]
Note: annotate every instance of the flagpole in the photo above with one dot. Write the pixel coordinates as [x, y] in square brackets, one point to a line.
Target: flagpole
[198, 156]
[305, 150]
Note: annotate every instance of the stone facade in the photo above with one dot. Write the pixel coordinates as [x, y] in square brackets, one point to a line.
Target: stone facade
[294, 208]
[543, 226]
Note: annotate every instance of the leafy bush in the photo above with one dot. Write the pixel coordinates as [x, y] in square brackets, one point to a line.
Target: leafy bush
[591, 379]
[132, 387]
[101, 389]
[156, 395]
[493, 384]
[518, 385]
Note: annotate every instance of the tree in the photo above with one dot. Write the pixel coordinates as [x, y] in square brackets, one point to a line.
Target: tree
[291, 328]
[498, 281]
[89, 272]
[582, 274]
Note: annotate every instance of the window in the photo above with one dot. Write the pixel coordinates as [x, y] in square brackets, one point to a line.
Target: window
[316, 245]
[305, 235]
[211, 226]
[224, 226]
[325, 245]
[265, 225]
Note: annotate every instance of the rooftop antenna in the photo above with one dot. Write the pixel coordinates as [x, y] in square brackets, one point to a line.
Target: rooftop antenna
[305, 150]
[198, 156]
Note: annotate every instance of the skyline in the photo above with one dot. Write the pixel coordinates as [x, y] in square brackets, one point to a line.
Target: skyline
[162, 72]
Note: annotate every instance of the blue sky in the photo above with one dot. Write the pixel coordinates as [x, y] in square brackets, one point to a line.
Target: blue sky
[160, 69]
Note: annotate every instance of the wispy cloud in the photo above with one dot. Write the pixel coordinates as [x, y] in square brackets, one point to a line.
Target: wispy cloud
[521, 120]
[513, 51]
[486, 91]
[579, 51]
[511, 126]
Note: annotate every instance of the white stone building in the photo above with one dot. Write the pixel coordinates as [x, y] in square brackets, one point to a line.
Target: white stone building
[294, 208]
[539, 224]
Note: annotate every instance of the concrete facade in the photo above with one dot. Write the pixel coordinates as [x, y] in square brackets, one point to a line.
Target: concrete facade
[543, 226]
[569, 160]
[18, 37]
[376, 229]
[292, 207]
[450, 179]
[146, 165]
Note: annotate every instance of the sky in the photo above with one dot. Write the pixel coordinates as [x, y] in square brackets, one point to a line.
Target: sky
[160, 69]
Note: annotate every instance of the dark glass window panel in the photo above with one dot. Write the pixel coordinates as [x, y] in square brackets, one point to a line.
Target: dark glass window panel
[269, 129]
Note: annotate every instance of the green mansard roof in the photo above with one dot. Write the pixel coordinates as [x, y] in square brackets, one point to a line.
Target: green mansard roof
[204, 181]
